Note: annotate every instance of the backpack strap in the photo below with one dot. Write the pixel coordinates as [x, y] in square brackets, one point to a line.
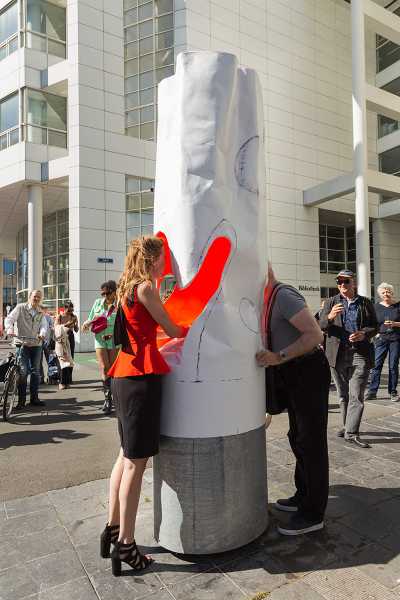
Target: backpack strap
[269, 301]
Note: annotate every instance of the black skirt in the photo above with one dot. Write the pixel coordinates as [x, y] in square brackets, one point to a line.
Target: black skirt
[138, 405]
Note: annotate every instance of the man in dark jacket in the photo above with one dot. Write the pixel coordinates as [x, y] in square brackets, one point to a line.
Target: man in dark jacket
[349, 322]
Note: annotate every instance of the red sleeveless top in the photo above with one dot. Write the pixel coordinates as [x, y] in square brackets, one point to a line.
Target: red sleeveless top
[142, 334]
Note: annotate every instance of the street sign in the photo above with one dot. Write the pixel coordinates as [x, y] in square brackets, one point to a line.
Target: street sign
[104, 259]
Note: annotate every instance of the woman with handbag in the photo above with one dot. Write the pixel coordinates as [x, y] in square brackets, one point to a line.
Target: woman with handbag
[70, 321]
[101, 322]
[137, 374]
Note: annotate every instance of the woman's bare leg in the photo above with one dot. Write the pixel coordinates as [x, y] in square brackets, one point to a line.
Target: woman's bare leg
[115, 482]
[102, 360]
[129, 494]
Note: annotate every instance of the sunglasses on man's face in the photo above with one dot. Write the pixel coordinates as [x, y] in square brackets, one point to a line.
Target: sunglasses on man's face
[343, 281]
[106, 293]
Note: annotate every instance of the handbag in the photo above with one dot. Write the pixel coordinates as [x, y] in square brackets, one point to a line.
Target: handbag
[100, 323]
[120, 333]
[275, 402]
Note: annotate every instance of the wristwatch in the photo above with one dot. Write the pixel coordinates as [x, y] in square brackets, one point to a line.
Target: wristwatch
[282, 354]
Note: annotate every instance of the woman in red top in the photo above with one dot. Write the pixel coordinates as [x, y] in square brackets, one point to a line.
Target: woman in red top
[136, 387]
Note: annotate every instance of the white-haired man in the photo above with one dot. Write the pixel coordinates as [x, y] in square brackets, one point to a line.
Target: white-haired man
[349, 321]
[30, 322]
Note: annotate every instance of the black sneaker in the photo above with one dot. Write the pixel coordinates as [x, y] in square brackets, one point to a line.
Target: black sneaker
[19, 406]
[357, 442]
[37, 402]
[394, 396]
[287, 504]
[370, 396]
[298, 525]
[340, 433]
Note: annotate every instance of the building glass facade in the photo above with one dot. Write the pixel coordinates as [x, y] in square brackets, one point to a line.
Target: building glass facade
[9, 282]
[55, 260]
[149, 57]
[139, 207]
[9, 121]
[45, 118]
[45, 27]
[8, 30]
[337, 251]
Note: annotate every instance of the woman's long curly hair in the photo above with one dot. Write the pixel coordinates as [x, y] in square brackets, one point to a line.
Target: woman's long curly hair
[141, 256]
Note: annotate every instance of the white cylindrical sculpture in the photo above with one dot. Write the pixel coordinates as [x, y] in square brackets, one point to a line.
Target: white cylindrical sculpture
[210, 476]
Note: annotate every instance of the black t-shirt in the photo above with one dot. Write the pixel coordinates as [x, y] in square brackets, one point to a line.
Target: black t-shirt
[388, 313]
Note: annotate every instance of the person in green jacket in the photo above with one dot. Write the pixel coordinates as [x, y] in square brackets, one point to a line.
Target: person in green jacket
[106, 352]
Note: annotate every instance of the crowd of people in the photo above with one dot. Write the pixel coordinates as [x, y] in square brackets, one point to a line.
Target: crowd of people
[349, 341]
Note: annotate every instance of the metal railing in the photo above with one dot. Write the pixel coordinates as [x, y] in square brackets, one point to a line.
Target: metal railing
[9, 46]
[8, 138]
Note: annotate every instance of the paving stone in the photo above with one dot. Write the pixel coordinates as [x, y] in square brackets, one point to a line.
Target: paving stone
[22, 549]
[55, 569]
[23, 506]
[371, 524]
[172, 568]
[379, 563]
[280, 474]
[20, 526]
[296, 590]
[340, 540]
[345, 584]
[384, 466]
[341, 504]
[130, 585]
[17, 583]
[89, 555]
[257, 573]
[84, 491]
[343, 458]
[83, 531]
[79, 589]
[258, 545]
[79, 510]
[302, 554]
[281, 457]
[212, 585]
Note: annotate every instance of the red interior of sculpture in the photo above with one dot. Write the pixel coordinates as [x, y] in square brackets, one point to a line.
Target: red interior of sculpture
[186, 304]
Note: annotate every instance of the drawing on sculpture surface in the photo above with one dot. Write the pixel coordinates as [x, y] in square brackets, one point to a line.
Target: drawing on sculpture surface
[246, 164]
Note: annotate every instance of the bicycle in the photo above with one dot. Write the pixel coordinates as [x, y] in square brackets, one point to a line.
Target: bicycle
[12, 375]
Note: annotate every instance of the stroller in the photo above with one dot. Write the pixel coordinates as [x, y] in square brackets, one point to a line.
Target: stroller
[53, 369]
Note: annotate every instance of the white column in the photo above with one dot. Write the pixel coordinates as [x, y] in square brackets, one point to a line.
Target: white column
[35, 237]
[360, 148]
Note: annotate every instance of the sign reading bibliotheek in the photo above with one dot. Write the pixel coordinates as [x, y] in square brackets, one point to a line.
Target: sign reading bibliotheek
[309, 288]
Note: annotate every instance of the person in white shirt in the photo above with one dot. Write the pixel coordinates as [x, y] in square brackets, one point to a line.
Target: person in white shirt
[28, 320]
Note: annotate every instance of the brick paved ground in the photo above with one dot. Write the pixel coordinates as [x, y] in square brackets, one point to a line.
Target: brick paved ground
[49, 547]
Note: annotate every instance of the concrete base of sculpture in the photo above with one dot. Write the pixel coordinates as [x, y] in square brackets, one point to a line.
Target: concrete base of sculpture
[210, 494]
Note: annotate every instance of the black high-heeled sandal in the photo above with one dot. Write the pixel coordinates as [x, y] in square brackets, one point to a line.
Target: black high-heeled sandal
[129, 554]
[108, 537]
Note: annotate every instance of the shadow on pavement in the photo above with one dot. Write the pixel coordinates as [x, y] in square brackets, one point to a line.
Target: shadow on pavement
[364, 535]
[32, 438]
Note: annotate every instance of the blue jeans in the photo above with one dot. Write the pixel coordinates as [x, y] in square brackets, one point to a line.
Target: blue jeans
[382, 347]
[30, 364]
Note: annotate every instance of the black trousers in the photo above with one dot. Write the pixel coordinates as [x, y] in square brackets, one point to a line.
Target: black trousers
[66, 373]
[307, 383]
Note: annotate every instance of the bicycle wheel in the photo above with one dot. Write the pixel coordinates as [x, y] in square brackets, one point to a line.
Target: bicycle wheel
[9, 394]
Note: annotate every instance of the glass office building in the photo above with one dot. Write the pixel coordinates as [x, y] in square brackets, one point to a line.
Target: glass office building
[78, 123]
